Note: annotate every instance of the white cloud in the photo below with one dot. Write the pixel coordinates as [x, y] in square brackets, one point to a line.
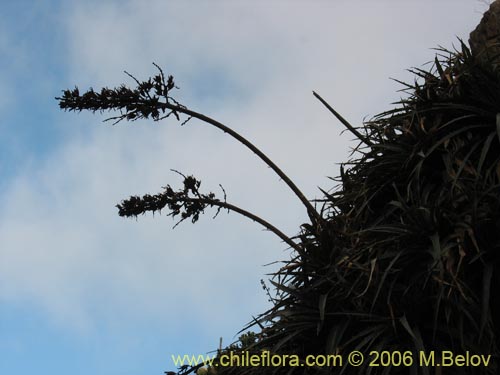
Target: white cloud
[63, 245]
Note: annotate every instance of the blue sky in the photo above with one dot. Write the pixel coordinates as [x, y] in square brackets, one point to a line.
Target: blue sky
[83, 291]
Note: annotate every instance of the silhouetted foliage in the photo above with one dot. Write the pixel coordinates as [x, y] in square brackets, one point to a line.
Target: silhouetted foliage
[404, 254]
[142, 102]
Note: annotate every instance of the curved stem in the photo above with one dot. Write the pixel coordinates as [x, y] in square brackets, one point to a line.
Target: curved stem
[247, 214]
[313, 214]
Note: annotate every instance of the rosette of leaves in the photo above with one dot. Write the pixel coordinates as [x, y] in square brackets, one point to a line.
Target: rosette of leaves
[409, 257]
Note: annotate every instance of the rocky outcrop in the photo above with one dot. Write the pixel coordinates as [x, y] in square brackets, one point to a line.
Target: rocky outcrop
[484, 41]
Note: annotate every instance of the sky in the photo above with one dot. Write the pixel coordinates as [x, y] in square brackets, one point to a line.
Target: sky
[83, 291]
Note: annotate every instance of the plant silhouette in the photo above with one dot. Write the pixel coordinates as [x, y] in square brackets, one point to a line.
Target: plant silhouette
[403, 255]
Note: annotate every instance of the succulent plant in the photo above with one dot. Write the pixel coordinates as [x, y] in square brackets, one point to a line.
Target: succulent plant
[405, 253]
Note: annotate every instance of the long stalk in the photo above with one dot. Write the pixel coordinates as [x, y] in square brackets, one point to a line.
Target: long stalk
[247, 214]
[313, 214]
